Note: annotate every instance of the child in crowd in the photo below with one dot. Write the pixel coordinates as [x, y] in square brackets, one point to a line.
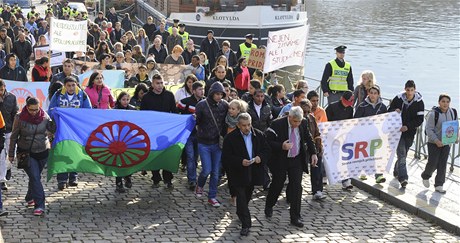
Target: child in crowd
[123, 104]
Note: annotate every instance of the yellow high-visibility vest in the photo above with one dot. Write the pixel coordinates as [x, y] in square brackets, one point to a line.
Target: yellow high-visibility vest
[338, 80]
[246, 51]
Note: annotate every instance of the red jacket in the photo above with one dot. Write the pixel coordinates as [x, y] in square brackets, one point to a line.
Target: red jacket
[242, 79]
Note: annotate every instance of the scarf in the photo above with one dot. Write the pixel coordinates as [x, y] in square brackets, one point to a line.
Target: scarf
[27, 117]
[231, 121]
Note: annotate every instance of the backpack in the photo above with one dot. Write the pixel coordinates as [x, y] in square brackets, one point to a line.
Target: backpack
[437, 110]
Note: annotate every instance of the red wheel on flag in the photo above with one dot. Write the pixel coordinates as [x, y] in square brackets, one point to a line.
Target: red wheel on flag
[119, 144]
[21, 96]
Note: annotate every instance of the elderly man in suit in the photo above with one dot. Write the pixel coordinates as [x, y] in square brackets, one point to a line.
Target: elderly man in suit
[244, 152]
[291, 144]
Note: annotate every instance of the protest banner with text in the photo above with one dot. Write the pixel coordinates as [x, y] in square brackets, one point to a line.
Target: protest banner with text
[285, 48]
[68, 35]
[57, 57]
[256, 59]
[360, 146]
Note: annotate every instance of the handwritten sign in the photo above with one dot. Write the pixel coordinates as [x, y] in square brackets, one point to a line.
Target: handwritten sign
[285, 48]
[56, 57]
[256, 59]
[68, 35]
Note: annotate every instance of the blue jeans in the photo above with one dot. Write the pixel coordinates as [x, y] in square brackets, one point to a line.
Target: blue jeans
[210, 163]
[401, 154]
[64, 177]
[35, 189]
[192, 156]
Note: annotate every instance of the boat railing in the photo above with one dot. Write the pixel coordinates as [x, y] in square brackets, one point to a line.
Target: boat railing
[421, 140]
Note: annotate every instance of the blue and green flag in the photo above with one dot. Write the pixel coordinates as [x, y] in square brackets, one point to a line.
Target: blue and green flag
[117, 142]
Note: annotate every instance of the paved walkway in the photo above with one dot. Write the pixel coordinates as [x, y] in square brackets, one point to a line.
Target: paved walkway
[93, 212]
[443, 209]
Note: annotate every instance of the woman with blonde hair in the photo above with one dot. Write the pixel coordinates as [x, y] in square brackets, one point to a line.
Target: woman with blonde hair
[366, 81]
[176, 56]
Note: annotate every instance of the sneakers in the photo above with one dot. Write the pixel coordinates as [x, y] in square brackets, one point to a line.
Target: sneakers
[380, 179]
[62, 186]
[169, 186]
[324, 180]
[319, 196]
[3, 213]
[214, 202]
[73, 183]
[30, 203]
[4, 186]
[191, 185]
[439, 189]
[39, 212]
[120, 189]
[363, 177]
[426, 183]
[199, 191]
[404, 183]
[346, 185]
[128, 182]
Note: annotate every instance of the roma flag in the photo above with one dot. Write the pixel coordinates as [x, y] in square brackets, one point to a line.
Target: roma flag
[117, 142]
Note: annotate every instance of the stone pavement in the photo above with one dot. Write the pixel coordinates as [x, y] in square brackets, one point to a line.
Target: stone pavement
[93, 212]
[443, 209]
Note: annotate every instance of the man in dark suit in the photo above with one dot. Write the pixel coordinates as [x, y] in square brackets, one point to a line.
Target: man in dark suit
[287, 138]
[244, 152]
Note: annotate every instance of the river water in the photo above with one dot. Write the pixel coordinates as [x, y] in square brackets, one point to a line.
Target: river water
[397, 39]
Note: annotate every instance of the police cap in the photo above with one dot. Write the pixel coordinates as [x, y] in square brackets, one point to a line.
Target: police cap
[340, 49]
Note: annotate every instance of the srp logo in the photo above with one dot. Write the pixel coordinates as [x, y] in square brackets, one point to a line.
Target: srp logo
[360, 149]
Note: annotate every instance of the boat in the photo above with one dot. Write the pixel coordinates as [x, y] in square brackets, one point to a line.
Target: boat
[230, 20]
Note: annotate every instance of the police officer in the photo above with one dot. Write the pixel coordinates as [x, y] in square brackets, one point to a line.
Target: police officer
[74, 13]
[245, 48]
[65, 10]
[175, 24]
[49, 9]
[31, 13]
[337, 76]
[1, 8]
[183, 34]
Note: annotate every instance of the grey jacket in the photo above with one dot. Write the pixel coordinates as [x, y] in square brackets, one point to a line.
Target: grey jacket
[23, 133]
[434, 132]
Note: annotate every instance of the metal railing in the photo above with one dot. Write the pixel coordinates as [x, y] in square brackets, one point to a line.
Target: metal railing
[420, 141]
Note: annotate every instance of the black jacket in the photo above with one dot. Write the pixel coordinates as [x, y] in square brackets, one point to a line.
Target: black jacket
[23, 50]
[232, 60]
[160, 55]
[149, 30]
[188, 56]
[336, 111]
[412, 112]
[207, 131]
[233, 153]
[9, 108]
[210, 82]
[366, 108]
[163, 102]
[262, 122]
[210, 49]
[278, 133]
[17, 74]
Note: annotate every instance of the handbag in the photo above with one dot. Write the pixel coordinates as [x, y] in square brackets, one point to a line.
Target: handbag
[23, 157]
[221, 138]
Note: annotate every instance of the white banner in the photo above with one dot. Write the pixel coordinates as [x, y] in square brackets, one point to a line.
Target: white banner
[68, 35]
[286, 48]
[57, 57]
[360, 146]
